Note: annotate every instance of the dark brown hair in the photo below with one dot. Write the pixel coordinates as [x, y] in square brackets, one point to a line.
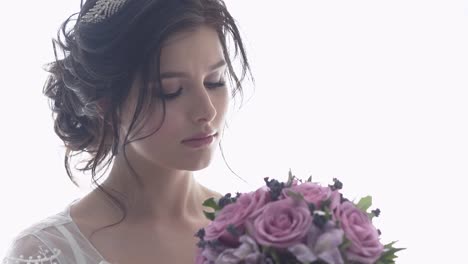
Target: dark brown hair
[100, 61]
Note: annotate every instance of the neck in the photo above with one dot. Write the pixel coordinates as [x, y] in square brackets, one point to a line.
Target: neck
[159, 195]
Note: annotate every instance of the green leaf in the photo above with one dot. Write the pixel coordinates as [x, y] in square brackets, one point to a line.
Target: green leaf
[290, 178]
[389, 256]
[275, 256]
[345, 244]
[296, 196]
[264, 249]
[209, 215]
[268, 250]
[364, 203]
[211, 203]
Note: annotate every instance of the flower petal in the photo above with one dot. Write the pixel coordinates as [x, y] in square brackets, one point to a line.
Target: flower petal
[329, 240]
[227, 257]
[332, 256]
[302, 253]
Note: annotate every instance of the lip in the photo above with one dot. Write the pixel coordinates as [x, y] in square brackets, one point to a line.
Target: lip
[197, 143]
[200, 136]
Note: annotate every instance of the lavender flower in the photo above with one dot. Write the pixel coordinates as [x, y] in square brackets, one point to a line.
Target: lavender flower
[321, 244]
[248, 252]
[212, 252]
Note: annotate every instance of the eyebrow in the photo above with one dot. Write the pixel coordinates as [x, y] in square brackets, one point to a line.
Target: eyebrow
[213, 67]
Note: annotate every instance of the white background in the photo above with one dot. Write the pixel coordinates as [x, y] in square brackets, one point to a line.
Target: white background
[371, 92]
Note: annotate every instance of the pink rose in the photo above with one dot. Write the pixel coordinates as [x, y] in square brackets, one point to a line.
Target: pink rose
[358, 228]
[281, 223]
[312, 192]
[236, 214]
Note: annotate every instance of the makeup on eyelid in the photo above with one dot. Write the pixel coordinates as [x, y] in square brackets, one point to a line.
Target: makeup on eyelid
[211, 86]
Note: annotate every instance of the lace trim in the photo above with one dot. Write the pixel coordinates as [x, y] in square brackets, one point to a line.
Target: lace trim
[44, 256]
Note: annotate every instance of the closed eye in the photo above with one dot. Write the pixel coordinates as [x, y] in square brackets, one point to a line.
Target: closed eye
[215, 85]
[211, 86]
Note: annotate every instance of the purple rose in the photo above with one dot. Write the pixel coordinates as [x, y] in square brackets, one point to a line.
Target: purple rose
[358, 228]
[236, 214]
[312, 192]
[281, 223]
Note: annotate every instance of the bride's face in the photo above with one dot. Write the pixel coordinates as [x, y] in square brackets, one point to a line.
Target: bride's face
[192, 68]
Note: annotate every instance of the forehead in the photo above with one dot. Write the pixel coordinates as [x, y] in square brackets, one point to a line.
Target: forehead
[191, 50]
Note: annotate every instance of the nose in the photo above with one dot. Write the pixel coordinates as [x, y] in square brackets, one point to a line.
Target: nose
[203, 110]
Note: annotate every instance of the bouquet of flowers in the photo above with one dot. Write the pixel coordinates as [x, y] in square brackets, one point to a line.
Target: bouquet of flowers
[295, 222]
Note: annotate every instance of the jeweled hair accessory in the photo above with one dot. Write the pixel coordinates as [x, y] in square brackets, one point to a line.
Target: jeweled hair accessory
[102, 10]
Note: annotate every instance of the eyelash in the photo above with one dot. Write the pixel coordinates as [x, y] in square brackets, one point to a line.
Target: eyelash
[176, 94]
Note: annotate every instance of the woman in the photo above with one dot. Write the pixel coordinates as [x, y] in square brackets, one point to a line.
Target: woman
[140, 82]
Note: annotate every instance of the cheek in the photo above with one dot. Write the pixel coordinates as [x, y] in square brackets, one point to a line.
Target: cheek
[165, 129]
[147, 122]
[222, 103]
[156, 141]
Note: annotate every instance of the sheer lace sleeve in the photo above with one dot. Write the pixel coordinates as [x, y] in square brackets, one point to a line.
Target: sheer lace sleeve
[53, 240]
[30, 250]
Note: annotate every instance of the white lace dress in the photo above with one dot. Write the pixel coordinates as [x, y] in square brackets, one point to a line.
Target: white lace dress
[54, 240]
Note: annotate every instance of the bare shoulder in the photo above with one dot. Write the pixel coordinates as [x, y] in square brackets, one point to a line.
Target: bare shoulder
[211, 193]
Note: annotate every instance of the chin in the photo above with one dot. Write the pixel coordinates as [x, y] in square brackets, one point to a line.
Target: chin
[202, 164]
